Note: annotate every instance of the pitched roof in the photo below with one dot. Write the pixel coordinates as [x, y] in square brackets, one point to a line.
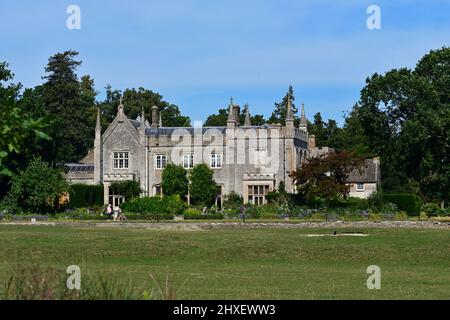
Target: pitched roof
[366, 173]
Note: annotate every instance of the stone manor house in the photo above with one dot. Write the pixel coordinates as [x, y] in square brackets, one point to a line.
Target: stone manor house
[249, 160]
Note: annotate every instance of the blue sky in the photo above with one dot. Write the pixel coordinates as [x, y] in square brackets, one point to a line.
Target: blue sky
[199, 53]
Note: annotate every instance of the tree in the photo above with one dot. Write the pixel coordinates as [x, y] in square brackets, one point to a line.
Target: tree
[37, 188]
[203, 189]
[136, 100]
[220, 119]
[217, 120]
[279, 114]
[70, 103]
[326, 177]
[175, 181]
[405, 116]
[318, 129]
[19, 131]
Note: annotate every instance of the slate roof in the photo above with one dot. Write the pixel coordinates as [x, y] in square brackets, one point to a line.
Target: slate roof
[367, 173]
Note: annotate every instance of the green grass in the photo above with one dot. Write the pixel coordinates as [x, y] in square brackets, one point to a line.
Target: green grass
[235, 263]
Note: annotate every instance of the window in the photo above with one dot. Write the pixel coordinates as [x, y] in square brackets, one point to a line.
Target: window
[120, 160]
[257, 194]
[160, 161]
[216, 160]
[188, 161]
[360, 186]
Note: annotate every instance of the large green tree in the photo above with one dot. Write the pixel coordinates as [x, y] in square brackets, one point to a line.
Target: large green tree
[37, 188]
[19, 131]
[220, 119]
[175, 181]
[405, 115]
[203, 189]
[279, 114]
[70, 102]
[136, 100]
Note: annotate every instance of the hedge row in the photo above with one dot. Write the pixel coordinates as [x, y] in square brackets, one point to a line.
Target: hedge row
[217, 216]
[408, 202]
[82, 196]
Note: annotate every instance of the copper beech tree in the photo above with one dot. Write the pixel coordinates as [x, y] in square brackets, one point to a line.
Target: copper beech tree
[326, 177]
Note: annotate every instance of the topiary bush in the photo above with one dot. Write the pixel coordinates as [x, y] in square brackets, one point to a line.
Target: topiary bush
[408, 202]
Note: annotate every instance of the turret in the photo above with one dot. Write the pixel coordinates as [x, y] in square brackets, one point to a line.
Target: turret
[289, 119]
[233, 115]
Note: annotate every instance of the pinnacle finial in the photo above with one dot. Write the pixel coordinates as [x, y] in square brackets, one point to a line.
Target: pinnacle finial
[303, 119]
[289, 113]
[120, 107]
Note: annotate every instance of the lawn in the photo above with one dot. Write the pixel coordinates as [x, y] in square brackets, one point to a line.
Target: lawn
[238, 263]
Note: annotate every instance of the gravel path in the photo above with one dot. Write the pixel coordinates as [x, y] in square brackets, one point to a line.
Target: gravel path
[183, 226]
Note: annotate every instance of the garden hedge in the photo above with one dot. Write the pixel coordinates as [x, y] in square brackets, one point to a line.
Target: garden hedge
[407, 202]
[82, 196]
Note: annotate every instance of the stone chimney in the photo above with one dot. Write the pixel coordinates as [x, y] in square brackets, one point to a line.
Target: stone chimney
[236, 113]
[155, 111]
[248, 120]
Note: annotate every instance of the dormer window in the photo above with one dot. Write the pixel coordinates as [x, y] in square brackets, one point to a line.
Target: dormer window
[121, 160]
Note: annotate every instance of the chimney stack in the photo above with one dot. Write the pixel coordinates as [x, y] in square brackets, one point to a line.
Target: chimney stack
[155, 119]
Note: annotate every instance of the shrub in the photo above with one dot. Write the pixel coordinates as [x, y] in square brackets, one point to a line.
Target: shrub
[431, 209]
[192, 211]
[81, 195]
[233, 201]
[407, 202]
[317, 216]
[375, 217]
[195, 216]
[423, 216]
[268, 215]
[146, 217]
[37, 188]
[173, 204]
[375, 200]
[401, 216]
[253, 212]
[155, 206]
[389, 208]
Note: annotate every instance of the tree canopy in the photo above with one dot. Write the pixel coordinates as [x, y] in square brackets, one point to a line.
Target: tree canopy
[203, 189]
[174, 181]
[326, 177]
